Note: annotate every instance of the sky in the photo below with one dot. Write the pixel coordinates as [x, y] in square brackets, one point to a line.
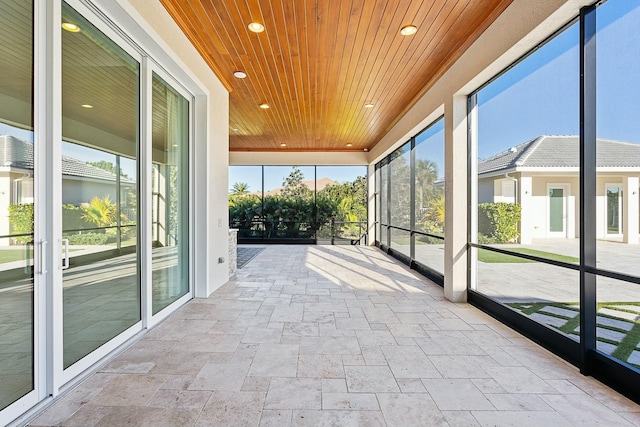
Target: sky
[540, 95]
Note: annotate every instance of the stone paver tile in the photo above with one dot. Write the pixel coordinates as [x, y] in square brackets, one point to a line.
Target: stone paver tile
[370, 379]
[256, 384]
[276, 418]
[259, 335]
[488, 385]
[518, 402]
[375, 338]
[329, 345]
[275, 360]
[459, 366]
[352, 359]
[212, 376]
[548, 320]
[232, 408]
[410, 409]
[352, 323]
[180, 363]
[560, 311]
[584, 410]
[334, 385]
[294, 393]
[350, 401]
[460, 419]
[148, 417]
[519, 380]
[301, 329]
[129, 390]
[320, 366]
[290, 313]
[614, 323]
[185, 399]
[457, 395]
[327, 418]
[520, 419]
[373, 356]
[448, 346]
[87, 416]
[407, 331]
[409, 362]
[411, 385]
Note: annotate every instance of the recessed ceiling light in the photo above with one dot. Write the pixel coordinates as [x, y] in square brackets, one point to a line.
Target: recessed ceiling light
[256, 27]
[239, 74]
[70, 26]
[264, 106]
[408, 30]
[368, 105]
[283, 144]
[366, 149]
[349, 144]
[235, 129]
[87, 106]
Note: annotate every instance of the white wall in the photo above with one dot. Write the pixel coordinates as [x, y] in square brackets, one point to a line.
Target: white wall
[171, 48]
[251, 158]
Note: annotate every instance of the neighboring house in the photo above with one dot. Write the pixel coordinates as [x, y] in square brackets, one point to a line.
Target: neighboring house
[543, 176]
[81, 181]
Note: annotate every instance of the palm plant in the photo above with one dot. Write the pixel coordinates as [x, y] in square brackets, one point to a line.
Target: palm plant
[100, 211]
[239, 189]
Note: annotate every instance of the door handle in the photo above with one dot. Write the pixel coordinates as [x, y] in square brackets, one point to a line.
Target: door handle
[43, 254]
[65, 260]
[28, 267]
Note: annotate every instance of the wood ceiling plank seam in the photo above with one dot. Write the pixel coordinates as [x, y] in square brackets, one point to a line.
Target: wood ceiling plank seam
[330, 45]
[331, 86]
[312, 66]
[355, 16]
[256, 90]
[401, 83]
[303, 59]
[357, 108]
[274, 72]
[182, 20]
[262, 55]
[395, 40]
[441, 69]
[245, 89]
[294, 85]
[355, 73]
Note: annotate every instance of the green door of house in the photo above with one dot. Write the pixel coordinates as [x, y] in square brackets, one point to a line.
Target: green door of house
[556, 210]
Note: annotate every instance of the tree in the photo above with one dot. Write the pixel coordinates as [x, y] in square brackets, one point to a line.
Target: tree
[101, 212]
[426, 175]
[294, 188]
[239, 189]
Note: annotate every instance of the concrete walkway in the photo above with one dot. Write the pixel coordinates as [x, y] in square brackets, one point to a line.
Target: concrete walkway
[336, 335]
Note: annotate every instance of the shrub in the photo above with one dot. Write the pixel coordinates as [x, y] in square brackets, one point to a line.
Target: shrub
[90, 238]
[21, 220]
[499, 221]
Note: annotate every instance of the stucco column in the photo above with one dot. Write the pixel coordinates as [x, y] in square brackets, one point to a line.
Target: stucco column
[455, 160]
[630, 213]
[371, 205]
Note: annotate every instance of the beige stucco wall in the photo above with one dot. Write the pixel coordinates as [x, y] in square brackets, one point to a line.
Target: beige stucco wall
[238, 158]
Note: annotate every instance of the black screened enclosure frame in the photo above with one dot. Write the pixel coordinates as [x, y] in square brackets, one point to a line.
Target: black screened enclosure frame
[410, 260]
[583, 354]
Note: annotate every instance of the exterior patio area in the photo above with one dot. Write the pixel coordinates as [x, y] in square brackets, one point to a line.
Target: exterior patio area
[336, 335]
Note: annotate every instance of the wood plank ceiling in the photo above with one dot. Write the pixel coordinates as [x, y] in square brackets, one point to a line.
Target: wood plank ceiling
[319, 62]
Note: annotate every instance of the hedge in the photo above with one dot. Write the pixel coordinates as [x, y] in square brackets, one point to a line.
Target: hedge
[498, 222]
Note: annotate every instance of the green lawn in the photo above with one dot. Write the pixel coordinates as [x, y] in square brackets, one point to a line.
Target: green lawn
[495, 257]
[10, 255]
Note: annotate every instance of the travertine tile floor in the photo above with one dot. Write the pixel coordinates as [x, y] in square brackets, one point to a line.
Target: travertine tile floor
[345, 336]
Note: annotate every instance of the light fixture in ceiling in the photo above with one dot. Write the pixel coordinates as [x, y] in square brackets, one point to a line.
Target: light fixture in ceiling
[366, 149]
[264, 106]
[71, 27]
[88, 106]
[349, 144]
[239, 74]
[408, 30]
[283, 144]
[368, 105]
[235, 129]
[256, 27]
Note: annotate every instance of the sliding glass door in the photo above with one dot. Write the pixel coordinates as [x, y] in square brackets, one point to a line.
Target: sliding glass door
[100, 133]
[17, 291]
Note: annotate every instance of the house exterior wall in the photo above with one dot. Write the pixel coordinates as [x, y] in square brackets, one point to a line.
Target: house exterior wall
[5, 201]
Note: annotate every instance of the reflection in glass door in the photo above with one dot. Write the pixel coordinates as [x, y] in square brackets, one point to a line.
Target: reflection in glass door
[16, 202]
[170, 195]
[557, 213]
[101, 284]
[614, 209]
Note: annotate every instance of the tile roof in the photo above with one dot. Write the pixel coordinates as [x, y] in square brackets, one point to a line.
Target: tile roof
[18, 153]
[555, 151]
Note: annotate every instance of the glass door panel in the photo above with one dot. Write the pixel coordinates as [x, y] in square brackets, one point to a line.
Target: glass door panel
[614, 210]
[16, 201]
[101, 280]
[556, 210]
[170, 195]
